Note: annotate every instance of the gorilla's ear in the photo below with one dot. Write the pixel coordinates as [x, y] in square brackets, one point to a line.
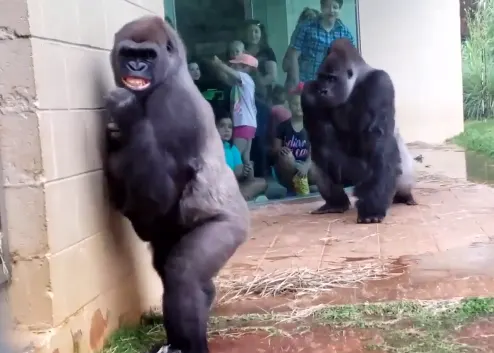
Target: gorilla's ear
[328, 51]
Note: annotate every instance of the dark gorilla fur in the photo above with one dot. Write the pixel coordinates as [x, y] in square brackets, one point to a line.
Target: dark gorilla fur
[349, 113]
[167, 174]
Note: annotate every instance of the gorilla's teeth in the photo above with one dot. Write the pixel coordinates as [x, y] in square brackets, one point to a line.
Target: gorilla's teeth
[135, 82]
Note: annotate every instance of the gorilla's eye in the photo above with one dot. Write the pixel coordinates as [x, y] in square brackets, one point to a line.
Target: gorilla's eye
[169, 46]
[332, 78]
[349, 73]
[140, 53]
[327, 77]
[148, 54]
[127, 53]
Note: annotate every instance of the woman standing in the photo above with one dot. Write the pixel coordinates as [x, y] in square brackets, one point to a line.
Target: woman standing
[256, 44]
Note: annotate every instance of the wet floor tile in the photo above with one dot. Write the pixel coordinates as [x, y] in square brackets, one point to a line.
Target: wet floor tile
[406, 239]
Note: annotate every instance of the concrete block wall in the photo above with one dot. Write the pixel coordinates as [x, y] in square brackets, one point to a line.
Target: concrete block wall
[77, 271]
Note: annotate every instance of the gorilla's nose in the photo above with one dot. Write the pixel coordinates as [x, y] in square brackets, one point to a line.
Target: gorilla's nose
[323, 91]
[136, 66]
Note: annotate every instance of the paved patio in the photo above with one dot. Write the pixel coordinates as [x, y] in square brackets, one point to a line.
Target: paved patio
[442, 248]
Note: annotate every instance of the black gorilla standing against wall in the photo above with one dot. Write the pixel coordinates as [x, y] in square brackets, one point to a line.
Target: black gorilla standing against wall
[349, 113]
[167, 174]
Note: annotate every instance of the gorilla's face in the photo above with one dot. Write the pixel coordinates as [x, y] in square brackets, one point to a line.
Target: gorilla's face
[335, 81]
[136, 64]
[141, 62]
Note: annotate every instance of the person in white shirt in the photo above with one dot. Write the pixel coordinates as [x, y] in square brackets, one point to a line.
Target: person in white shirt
[243, 106]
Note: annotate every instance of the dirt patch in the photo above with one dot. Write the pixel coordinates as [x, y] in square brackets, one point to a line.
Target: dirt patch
[315, 340]
[479, 335]
[401, 337]
[395, 327]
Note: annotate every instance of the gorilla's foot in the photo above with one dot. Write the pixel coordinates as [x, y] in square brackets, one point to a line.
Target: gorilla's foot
[407, 199]
[160, 348]
[328, 208]
[371, 219]
[372, 209]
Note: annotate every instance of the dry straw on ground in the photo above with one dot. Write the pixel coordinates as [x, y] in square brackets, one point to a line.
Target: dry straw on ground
[302, 281]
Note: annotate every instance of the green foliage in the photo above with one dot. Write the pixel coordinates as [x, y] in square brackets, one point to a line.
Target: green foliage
[478, 136]
[478, 63]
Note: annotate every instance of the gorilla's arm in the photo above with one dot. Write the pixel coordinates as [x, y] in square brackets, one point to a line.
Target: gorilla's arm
[376, 98]
[113, 141]
[115, 187]
[146, 167]
[116, 190]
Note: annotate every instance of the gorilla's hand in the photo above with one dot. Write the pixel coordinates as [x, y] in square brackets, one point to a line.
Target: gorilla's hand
[124, 108]
[113, 130]
[119, 100]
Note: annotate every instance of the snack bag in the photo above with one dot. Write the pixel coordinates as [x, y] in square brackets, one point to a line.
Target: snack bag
[301, 185]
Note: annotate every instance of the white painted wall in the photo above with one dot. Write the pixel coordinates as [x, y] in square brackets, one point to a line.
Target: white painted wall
[418, 43]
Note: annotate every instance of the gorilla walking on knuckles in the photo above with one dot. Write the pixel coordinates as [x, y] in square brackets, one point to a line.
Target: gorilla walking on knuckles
[349, 114]
[167, 174]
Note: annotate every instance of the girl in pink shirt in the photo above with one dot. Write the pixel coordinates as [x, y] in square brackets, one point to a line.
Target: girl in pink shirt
[244, 111]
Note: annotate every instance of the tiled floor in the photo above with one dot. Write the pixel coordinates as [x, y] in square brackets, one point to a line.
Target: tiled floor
[443, 248]
[445, 244]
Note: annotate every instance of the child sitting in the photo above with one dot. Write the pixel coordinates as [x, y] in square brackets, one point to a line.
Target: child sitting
[291, 149]
[249, 186]
[243, 109]
[279, 111]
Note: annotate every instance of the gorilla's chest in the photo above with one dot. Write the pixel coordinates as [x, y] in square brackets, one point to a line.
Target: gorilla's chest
[349, 142]
[350, 133]
[348, 118]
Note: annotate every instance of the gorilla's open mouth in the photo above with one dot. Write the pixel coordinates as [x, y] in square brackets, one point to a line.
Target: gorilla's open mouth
[136, 83]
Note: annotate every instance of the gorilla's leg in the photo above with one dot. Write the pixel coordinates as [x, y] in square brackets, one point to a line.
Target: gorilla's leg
[404, 186]
[406, 198]
[188, 273]
[210, 290]
[375, 195]
[406, 173]
[186, 314]
[337, 200]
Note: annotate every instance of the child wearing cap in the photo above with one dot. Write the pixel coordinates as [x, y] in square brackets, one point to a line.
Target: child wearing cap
[243, 108]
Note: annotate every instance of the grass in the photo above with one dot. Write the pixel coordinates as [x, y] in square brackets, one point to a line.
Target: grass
[405, 326]
[478, 136]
